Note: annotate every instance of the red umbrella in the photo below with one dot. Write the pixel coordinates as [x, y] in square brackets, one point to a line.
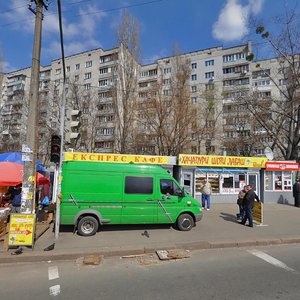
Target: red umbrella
[11, 174]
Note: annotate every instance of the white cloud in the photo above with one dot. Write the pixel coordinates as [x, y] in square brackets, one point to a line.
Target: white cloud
[233, 19]
[19, 17]
[54, 50]
[7, 67]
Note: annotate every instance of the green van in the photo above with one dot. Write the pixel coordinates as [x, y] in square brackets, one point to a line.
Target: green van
[95, 193]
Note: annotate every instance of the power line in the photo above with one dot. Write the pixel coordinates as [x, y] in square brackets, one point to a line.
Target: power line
[90, 13]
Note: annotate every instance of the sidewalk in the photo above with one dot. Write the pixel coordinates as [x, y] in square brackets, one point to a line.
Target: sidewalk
[217, 229]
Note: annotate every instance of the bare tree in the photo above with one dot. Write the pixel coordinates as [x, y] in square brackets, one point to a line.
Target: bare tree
[280, 115]
[165, 114]
[125, 81]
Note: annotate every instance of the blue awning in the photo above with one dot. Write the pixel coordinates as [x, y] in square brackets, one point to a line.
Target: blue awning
[16, 157]
[222, 170]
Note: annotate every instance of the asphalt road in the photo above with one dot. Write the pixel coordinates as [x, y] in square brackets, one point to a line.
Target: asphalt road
[254, 273]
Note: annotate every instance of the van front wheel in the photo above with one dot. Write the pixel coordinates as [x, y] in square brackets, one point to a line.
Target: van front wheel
[185, 222]
[88, 226]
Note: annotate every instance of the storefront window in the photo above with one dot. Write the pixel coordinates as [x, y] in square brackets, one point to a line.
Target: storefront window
[268, 181]
[278, 181]
[287, 181]
[224, 183]
[213, 179]
[199, 178]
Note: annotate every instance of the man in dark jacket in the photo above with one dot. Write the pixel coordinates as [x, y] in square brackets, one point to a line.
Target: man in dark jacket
[296, 192]
[249, 198]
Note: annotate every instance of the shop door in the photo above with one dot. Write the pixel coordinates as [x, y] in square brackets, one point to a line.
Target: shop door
[188, 182]
[253, 180]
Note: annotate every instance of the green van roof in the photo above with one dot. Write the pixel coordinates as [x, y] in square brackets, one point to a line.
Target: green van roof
[112, 167]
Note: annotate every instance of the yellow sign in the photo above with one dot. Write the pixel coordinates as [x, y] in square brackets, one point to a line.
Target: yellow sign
[222, 161]
[120, 158]
[21, 229]
[257, 212]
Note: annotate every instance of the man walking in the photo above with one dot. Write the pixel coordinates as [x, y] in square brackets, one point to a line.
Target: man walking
[249, 198]
[206, 191]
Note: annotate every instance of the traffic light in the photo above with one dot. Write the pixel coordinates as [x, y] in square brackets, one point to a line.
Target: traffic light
[72, 125]
[55, 148]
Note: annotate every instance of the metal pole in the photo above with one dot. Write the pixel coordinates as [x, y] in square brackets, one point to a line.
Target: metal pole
[58, 185]
[31, 147]
[62, 125]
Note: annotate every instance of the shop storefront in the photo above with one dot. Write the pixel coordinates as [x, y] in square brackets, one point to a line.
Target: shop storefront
[278, 181]
[226, 174]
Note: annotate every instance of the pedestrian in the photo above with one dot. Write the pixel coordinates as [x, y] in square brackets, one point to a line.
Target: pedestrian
[240, 203]
[249, 199]
[16, 201]
[206, 192]
[296, 192]
[45, 196]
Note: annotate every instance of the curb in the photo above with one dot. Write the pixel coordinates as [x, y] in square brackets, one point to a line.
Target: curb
[199, 245]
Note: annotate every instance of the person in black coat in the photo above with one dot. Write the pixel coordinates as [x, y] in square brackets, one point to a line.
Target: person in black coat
[248, 202]
[296, 192]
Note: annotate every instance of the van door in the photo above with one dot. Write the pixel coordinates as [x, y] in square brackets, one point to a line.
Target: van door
[138, 200]
[168, 201]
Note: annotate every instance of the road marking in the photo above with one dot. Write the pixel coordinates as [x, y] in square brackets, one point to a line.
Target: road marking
[54, 290]
[271, 260]
[53, 273]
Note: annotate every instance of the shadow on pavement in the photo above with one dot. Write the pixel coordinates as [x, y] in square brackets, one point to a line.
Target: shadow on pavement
[70, 228]
[228, 217]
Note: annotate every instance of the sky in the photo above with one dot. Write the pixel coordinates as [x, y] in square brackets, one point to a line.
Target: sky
[90, 24]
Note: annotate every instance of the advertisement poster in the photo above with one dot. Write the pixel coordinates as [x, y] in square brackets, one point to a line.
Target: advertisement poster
[257, 212]
[21, 230]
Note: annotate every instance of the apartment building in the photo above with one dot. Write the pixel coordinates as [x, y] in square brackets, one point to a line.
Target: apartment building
[115, 97]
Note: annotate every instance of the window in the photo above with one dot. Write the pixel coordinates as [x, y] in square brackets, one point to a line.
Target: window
[166, 81]
[68, 69]
[76, 77]
[194, 88]
[77, 66]
[104, 82]
[209, 87]
[138, 185]
[167, 70]
[88, 75]
[168, 186]
[194, 77]
[57, 71]
[234, 57]
[194, 66]
[103, 71]
[209, 63]
[209, 75]
[88, 64]
[194, 100]
[87, 86]
[106, 58]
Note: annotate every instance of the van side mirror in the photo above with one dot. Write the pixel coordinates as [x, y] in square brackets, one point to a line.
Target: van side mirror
[180, 193]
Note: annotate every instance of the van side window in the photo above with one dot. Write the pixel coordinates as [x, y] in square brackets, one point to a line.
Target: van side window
[169, 186]
[138, 185]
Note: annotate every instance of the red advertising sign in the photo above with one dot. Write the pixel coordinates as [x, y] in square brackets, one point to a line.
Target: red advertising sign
[281, 166]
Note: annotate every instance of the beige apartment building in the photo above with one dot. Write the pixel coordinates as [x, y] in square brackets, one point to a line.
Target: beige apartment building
[118, 105]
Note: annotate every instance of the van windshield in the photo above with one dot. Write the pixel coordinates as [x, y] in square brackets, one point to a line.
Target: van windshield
[168, 186]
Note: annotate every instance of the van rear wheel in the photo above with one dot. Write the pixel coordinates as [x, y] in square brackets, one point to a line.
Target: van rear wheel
[88, 226]
[185, 222]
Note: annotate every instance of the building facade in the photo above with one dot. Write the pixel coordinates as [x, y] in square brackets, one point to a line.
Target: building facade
[188, 103]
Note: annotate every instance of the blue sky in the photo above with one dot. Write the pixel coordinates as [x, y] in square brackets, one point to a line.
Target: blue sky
[90, 24]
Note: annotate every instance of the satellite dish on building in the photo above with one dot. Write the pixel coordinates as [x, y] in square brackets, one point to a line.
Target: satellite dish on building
[269, 153]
